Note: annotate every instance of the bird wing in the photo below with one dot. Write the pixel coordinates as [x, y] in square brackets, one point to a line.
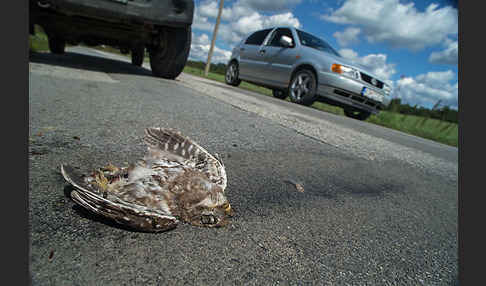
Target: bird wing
[164, 143]
[108, 205]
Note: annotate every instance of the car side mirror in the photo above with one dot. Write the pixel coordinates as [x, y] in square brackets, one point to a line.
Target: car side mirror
[286, 41]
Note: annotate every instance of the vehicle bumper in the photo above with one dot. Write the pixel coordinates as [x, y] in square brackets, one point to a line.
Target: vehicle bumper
[349, 92]
[155, 12]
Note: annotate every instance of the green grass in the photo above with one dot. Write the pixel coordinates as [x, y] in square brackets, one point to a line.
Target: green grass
[433, 129]
[38, 42]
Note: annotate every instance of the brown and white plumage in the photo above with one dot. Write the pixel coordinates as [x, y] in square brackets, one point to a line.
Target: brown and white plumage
[176, 180]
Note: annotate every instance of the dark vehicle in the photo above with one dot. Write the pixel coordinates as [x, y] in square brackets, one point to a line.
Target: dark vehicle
[163, 27]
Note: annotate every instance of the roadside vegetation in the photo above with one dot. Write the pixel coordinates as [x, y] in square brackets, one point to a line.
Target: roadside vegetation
[38, 42]
[437, 124]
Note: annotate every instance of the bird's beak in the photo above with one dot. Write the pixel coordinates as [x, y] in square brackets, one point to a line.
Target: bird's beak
[229, 211]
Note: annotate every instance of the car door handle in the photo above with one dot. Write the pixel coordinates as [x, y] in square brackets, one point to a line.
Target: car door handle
[262, 52]
[242, 49]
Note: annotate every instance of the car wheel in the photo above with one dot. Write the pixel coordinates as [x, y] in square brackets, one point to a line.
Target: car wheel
[167, 60]
[231, 75]
[57, 45]
[302, 88]
[279, 93]
[138, 53]
[360, 115]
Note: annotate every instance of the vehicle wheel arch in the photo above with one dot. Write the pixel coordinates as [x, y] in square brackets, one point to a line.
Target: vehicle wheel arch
[232, 79]
[310, 96]
[305, 66]
[234, 60]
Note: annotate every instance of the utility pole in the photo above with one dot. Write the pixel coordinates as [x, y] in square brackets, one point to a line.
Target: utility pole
[215, 32]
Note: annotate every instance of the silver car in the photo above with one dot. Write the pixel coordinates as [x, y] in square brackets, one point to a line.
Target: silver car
[297, 64]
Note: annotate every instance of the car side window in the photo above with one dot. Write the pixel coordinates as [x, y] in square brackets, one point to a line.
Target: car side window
[257, 37]
[275, 41]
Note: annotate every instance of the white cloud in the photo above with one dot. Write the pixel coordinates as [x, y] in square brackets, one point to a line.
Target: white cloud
[377, 63]
[423, 89]
[348, 53]
[397, 24]
[283, 19]
[274, 5]
[348, 36]
[201, 23]
[449, 56]
[256, 21]
[248, 23]
[203, 39]
[436, 79]
[208, 9]
[228, 34]
[427, 89]
[200, 48]
[240, 19]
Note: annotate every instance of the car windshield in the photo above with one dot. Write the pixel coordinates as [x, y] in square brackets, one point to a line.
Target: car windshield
[309, 40]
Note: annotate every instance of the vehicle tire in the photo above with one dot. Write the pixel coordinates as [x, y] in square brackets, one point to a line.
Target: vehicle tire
[280, 93]
[359, 115]
[232, 73]
[138, 54]
[57, 45]
[167, 60]
[303, 87]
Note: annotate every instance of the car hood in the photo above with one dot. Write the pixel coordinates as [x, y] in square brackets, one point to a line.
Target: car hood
[345, 61]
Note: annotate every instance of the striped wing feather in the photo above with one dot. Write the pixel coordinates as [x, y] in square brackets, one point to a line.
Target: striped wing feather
[132, 215]
[164, 143]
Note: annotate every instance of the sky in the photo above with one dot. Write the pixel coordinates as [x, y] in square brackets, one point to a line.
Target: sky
[413, 45]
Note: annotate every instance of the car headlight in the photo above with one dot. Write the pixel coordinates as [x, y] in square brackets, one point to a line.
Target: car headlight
[387, 88]
[344, 70]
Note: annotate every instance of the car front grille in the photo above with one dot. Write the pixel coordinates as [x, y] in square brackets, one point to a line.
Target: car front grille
[358, 98]
[369, 79]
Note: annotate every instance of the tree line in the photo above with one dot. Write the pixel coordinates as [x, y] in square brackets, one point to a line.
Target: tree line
[215, 68]
[444, 113]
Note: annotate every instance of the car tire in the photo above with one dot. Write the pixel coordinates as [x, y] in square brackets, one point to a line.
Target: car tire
[231, 76]
[280, 93]
[302, 88]
[167, 60]
[138, 54]
[359, 115]
[57, 45]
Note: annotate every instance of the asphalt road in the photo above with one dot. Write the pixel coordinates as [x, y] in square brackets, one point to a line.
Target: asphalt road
[379, 207]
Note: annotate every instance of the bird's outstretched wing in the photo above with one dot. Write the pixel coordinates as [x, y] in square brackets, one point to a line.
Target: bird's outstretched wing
[164, 143]
[110, 206]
